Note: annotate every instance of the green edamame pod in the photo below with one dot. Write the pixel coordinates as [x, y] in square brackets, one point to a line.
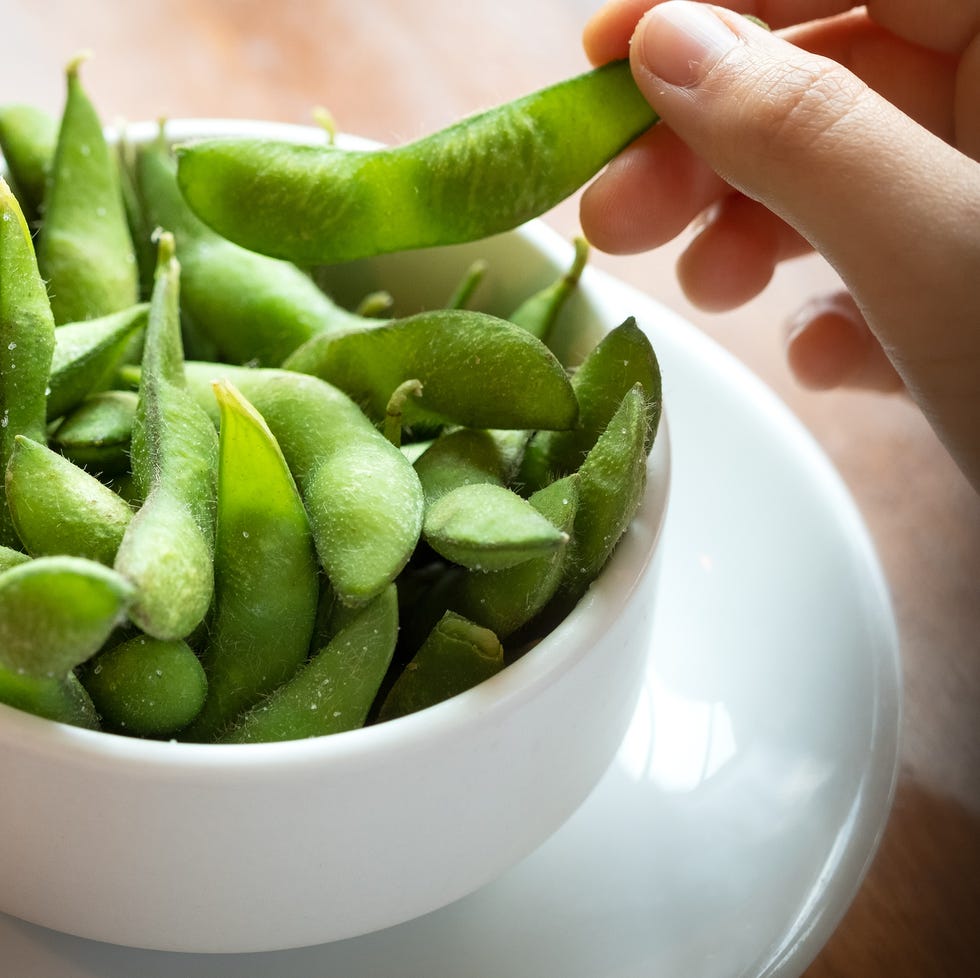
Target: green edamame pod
[483, 175]
[611, 482]
[622, 359]
[26, 341]
[463, 456]
[504, 600]
[61, 699]
[539, 312]
[475, 370]
[167, 550]
[253, 308]
[266, 587]
[488, 527]
[97, 433]
[85, 251]
[56, 612]
[58, 508]
[456, 656]
[85, 354]
[11, 558]
[334, 691]
[362, 495]
[146, 687]
[28, 136]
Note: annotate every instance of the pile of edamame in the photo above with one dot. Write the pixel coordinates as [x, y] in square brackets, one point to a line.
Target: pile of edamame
[234, 510]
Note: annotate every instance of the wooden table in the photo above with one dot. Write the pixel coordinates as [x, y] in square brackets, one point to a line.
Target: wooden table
[396, 69]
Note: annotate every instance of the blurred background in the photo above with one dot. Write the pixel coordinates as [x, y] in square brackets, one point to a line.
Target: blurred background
[393, 70]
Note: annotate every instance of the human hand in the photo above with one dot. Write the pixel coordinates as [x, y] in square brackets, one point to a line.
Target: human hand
[859, 138]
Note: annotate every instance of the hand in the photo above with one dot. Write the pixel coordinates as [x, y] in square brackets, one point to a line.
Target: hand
[857, 135]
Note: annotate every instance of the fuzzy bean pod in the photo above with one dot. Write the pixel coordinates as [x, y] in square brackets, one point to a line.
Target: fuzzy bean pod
[58, 508]
[85, 250]
[146, 687]
[456, 656]
[483, 175]
[335, 690]
[475, 370]
[266, 586]
[28, 136]
[253, 308]
[167, 550]
[56, 612]
[362, 495]
[26, 342]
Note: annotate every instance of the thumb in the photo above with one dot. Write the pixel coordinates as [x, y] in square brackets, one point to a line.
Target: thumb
[891, 206]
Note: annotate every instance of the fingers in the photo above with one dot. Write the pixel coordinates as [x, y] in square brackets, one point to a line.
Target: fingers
[734, 254]
[829, 345]
[648, 194]
[892, 207]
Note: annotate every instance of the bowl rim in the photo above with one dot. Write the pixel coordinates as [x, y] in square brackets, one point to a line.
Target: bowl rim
[499, 695]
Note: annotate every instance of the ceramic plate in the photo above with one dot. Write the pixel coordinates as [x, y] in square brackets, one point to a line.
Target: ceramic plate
[738, 818]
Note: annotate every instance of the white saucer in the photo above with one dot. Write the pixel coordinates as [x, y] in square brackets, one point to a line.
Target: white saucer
[738, 819]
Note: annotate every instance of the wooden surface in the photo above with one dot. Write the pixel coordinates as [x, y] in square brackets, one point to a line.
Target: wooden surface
[395, 69]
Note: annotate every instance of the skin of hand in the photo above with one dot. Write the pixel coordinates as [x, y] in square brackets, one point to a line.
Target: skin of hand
[851, 130]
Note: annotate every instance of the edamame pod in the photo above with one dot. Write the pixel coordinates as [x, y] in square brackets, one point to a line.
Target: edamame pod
[85, 251]
[58, 508]
[11, 558]
[146, 687]
[463, 456]
[167, 550]
[475, 370]
[505, 600]
[56, 612]
[97, 433]
[266, 586]
[26, 342]
[85, 354]
[456, 656]
[488, 527]
[611, 482]
[362, 495]
[63, 699]
[334, 691]
[255, 309]
[28, 136]
[481, 176]
[622, 359]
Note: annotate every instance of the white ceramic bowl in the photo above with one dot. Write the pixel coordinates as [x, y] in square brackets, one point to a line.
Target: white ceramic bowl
[260, 847]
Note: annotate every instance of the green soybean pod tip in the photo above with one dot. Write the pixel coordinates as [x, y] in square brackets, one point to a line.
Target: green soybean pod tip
[59, 508]
[483, 175]
[85, 250]
[56, 612]
[26, 341]
[335, 690]
[265, 569]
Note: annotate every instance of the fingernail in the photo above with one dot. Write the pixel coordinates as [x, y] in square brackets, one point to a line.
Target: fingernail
[680, 40]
